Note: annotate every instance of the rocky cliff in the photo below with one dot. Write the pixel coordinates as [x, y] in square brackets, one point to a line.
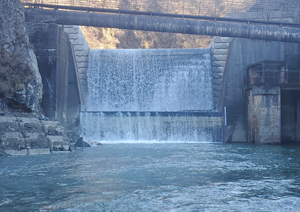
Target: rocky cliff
[20, 80]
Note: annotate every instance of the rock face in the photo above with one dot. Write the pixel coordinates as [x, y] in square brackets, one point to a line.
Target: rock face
[23, 127]
[20, 80]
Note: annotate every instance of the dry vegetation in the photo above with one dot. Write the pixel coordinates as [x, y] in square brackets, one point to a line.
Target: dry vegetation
[102, 38]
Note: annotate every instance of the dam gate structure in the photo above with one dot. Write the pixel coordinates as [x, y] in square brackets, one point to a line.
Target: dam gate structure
[272, 96]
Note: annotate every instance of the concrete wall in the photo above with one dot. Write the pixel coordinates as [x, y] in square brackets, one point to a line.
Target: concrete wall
[61, 99]
[162, 126]
[290, 113]
[63, 62]
[264, 115]
[81, 55]
[273, 10]
[244, 52]
[68, 96]
[219, 53]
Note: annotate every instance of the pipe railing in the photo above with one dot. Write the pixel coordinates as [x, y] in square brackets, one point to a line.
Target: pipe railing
[216, 8]
[275, 77]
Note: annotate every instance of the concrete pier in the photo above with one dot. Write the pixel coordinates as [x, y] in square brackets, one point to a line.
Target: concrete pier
[264, 115]
[272, 98]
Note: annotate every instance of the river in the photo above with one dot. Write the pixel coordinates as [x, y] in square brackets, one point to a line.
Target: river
[154, 177]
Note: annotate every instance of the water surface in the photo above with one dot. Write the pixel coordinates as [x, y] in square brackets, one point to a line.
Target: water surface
[154, 177]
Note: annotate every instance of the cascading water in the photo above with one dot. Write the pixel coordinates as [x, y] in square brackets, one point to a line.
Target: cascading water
[135, 94]
[149, 80]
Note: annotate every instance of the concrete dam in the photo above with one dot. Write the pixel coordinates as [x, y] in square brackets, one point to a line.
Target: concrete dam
[209, 89]
[210, 84]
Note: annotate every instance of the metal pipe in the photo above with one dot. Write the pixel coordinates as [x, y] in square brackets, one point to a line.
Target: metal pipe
[169, 24]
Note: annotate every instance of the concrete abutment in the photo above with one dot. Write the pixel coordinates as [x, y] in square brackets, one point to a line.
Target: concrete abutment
[62, 54]
[252, 116]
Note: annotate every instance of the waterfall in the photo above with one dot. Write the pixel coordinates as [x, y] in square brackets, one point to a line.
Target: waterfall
[152, 95]
[149, 80]
[151, 126]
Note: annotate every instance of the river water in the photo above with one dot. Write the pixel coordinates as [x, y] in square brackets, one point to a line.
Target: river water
[154, 177]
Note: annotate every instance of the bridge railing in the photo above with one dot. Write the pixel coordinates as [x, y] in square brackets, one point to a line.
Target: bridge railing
[217, 8]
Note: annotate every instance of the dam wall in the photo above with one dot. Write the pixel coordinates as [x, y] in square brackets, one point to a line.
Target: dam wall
[242, 53]
[219, 55]
[229, 77]
[150, 95]
[152, 127]
[80, 50]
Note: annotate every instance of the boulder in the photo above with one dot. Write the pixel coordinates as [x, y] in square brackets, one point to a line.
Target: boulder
[81, 143]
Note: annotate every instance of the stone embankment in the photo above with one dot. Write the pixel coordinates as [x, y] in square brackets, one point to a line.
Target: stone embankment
[25, 134]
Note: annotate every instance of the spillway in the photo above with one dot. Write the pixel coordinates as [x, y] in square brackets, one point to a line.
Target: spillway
[149, 80]
[150, 95]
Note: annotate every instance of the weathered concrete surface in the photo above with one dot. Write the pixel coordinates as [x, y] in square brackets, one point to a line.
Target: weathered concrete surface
[21, 135]
[20, 80]
[81, 50]
[290, 116]
[174, 25]
[275, 10]
[61, 100]
[244, 52]
[219, 53]
[264, 115]
[168, 123]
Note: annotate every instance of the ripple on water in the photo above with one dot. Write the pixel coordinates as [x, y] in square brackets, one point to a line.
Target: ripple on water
[164, 177]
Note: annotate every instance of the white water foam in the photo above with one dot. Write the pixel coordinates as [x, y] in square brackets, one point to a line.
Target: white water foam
[148, 80]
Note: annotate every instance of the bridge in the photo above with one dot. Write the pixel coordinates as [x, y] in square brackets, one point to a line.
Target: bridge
[111, 15]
